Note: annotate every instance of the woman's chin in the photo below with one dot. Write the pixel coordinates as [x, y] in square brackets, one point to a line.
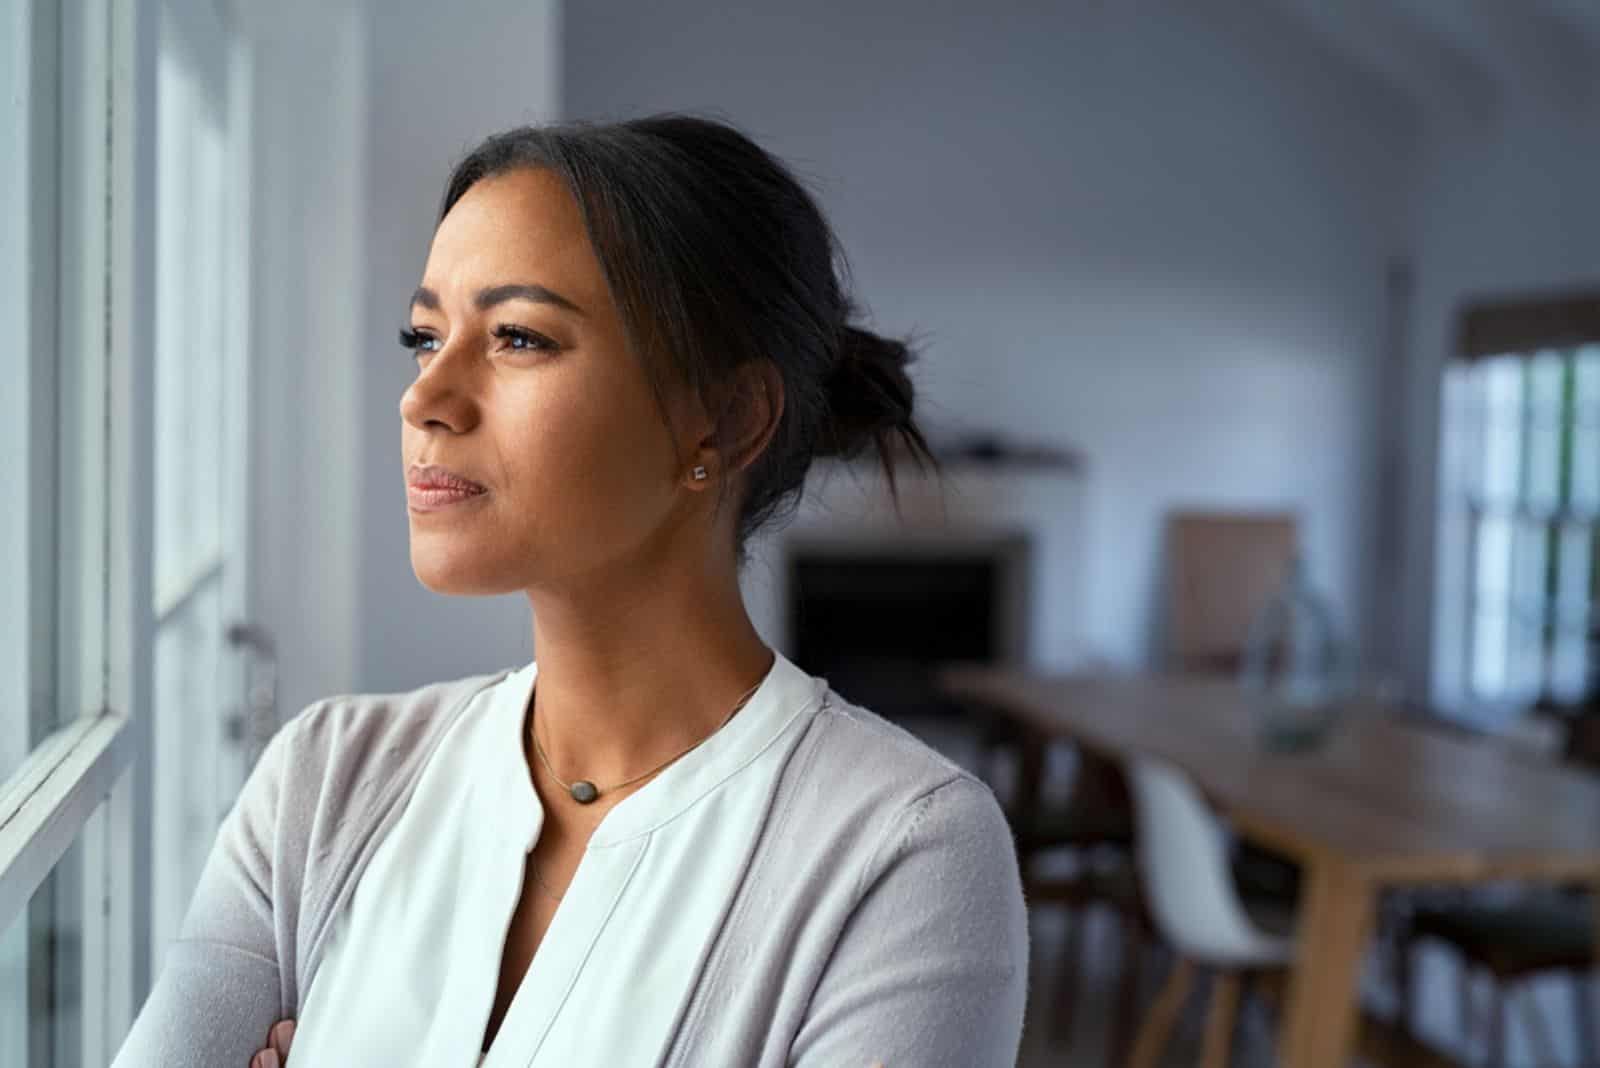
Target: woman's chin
[457, 574]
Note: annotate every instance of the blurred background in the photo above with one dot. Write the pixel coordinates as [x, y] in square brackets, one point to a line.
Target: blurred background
[1260, 340]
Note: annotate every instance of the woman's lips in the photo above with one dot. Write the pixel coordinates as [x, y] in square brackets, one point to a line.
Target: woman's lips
[433, 497]
[430, 487]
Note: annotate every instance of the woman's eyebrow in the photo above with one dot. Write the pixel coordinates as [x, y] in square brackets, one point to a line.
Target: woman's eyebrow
[488, 298]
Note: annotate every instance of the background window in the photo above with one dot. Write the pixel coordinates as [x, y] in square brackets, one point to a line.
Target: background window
[1525, 424]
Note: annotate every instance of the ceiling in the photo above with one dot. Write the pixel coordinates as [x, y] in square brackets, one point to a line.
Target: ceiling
[1466, 59]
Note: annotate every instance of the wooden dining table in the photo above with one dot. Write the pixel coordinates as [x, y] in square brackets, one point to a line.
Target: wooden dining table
[1384, 800]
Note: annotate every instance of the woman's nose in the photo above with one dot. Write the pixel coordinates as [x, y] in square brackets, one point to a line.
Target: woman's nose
[442, 394]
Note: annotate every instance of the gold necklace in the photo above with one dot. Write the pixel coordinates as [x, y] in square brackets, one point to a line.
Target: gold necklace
[585, 792]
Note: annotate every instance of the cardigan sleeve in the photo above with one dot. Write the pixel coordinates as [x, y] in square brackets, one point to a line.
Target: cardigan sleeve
[931, 968]
[220, 988]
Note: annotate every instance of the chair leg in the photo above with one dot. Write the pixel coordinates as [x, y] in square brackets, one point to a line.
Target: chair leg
[1583, 1019]
[1404, 963]
[1067, 974]
[1127, 1016]
[1497, 1026]
[1164, 1013]
[1219, 1020]
[1262, 993]
[1466, 1013]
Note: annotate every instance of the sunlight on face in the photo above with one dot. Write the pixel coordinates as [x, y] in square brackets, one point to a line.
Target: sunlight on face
[525, 386]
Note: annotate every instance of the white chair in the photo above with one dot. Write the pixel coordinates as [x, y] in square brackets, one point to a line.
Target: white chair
[1188, 884]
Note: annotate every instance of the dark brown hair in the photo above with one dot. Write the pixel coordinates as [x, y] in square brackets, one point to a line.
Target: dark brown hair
[716, 255]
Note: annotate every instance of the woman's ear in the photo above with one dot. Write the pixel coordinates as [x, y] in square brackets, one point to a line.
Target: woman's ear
[752, 412]
[749, 407]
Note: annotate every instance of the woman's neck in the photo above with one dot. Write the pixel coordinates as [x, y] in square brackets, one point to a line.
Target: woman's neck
[623, 687]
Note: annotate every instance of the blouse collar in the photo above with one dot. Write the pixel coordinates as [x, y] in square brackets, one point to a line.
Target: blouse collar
[785, 694]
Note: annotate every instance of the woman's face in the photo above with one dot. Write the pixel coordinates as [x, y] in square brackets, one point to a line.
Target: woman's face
[525, 386]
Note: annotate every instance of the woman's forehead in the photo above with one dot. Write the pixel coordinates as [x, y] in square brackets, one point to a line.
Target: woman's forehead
[522, 227]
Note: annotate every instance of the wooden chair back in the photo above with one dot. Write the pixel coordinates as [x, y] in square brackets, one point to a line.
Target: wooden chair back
[1222, 569]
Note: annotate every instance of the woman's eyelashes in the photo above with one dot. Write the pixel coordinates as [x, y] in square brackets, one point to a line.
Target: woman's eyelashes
[514, 338]
[415, 340]
[519, 337]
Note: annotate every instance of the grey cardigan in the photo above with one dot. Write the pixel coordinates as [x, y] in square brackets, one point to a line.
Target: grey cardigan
[880, 917]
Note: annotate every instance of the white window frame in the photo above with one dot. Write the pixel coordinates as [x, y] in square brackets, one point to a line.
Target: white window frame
[103, 257]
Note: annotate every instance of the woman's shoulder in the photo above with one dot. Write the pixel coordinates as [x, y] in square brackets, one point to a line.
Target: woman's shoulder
[873, 786]
[865, 753]
[329, 773]
[882, 850]
[359, 726]
[893, 860]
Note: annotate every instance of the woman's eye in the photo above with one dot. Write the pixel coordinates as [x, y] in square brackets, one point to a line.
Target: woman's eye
[514, 337]
[417, 341]
[517, 337]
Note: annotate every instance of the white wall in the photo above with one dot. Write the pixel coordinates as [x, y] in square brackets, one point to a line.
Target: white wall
[309, 91]
[1154, 235]
[440, 78]
[1502, 208]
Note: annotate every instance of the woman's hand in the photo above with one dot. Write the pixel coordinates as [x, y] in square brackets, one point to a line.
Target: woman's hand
[277, 1048]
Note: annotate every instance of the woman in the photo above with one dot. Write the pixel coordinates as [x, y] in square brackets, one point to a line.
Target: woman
[675, 847]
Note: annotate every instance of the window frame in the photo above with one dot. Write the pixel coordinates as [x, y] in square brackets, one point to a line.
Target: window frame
[1518, 331]
[91, 249]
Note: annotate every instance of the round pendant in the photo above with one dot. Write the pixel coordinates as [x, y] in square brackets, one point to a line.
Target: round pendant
[583, 791]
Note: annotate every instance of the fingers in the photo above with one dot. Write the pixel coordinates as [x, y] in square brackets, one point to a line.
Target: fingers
[281, 1036]
[276, 1053]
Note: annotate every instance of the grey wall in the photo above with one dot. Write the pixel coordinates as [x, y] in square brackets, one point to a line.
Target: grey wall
[1154, 235]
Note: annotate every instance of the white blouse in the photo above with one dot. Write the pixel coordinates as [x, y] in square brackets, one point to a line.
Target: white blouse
[411, 968]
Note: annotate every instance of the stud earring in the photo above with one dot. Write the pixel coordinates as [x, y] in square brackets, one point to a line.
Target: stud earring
[699, 472]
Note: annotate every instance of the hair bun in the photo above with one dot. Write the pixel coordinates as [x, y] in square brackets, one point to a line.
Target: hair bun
[869, 393]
